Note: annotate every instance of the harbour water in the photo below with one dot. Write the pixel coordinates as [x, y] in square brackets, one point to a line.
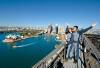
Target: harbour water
[27, 52]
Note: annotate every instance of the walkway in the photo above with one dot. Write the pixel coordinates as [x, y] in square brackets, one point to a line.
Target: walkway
[69, 63]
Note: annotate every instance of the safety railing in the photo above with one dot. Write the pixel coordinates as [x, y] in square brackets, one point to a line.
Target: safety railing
[92, 56]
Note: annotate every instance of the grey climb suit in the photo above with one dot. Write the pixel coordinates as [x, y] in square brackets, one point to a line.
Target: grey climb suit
[74, 41]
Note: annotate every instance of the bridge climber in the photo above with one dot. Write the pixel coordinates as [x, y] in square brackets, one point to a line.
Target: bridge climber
[74, 40]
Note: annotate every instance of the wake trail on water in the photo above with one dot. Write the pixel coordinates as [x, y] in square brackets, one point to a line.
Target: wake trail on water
[24, 45]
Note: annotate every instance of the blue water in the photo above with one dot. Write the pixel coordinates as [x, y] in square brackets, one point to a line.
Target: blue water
[25, 53]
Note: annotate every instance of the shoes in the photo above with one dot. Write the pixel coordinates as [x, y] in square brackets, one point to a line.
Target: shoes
[75, 61]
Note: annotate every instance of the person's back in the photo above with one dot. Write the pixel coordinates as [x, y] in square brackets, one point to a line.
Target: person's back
[75, 43]
[76, 35]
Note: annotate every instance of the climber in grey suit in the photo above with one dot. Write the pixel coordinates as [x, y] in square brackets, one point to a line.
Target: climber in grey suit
[75, 41]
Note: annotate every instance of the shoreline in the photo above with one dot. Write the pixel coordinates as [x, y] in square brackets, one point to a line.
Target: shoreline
[26, 37]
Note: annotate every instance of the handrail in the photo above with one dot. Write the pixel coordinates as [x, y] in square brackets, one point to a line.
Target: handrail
[92, 48]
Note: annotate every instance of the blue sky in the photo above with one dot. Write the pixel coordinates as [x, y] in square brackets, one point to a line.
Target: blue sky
[39, 12]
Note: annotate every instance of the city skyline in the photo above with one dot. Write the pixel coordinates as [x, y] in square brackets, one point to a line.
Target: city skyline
[43, 12]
